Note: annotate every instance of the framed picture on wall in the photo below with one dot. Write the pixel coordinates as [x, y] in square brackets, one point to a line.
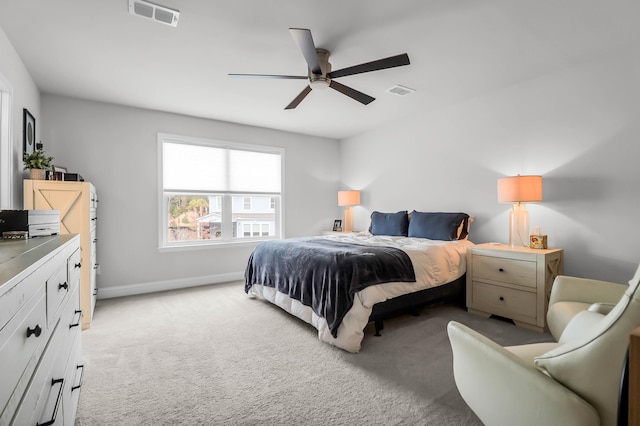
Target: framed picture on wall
[28, 131]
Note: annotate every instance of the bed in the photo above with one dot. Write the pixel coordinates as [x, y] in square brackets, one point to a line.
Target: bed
[313, 276]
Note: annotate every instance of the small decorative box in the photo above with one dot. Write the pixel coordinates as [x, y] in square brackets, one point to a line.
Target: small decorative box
[538, 242]
[15, 235]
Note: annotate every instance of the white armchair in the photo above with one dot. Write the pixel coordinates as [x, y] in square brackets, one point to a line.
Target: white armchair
[575, 381]
[571, 295]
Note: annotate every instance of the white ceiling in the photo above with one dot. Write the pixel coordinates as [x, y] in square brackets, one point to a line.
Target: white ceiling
[459, 49]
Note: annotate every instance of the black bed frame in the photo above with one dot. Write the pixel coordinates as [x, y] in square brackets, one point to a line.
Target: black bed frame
[453, 292]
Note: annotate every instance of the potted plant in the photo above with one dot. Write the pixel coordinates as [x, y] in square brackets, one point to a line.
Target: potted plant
[36, 162]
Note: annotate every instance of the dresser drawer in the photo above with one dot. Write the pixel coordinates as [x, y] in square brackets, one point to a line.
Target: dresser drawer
[93, 198]
[14, 299]
[75, 266]
[70, 319]
[21, 343]
[512, 271]
[73, 382]
[503, 301]
[93, 216]
[57, 292]
[42, 400]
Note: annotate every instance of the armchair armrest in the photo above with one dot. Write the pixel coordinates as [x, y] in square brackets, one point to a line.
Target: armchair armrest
[503, 390]
[602, 308]
[574, 289]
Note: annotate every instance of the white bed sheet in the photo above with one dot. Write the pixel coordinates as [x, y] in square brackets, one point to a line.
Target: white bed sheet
[434, 262]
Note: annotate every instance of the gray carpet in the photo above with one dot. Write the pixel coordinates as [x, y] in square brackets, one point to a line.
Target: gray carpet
[213, 356]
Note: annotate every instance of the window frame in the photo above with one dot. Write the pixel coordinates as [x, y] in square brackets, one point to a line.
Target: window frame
[6, 144]
[165, 245]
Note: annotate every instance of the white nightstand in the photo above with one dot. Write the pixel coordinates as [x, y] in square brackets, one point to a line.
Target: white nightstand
[511, 282]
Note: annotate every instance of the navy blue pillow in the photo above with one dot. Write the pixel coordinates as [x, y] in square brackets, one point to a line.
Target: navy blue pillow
[393, 224]
[437, 226]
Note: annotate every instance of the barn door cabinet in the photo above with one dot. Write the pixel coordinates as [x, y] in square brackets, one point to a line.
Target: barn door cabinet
[77, 203]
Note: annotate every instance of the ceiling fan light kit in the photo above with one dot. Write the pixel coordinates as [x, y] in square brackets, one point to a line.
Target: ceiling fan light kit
[321, 76]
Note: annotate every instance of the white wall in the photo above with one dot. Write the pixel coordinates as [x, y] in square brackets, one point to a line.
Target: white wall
[115, 148]
[24, 94]
[578, 127]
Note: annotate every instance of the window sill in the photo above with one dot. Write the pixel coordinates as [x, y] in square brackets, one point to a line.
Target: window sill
[226, 244]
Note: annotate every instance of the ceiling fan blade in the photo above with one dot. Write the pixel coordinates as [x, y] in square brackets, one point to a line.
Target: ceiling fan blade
[287, 77]
[294, 103]
[380, 64]
[352, 93]
[304, 41]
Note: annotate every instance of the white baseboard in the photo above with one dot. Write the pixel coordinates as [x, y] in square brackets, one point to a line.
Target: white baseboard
[107, 292]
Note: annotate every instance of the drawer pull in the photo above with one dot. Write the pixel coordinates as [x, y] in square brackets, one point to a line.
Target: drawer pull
[35, 330]
[77, 311]
[501, 298]
[78, 265]
[78, 367]
[63, 285]
[58, 399]
[501, 270]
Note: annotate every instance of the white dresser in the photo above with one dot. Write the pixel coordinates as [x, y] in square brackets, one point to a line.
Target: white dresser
[78, 206]
[40, 351]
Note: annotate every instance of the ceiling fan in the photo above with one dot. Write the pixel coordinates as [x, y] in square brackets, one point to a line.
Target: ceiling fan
[320, 75]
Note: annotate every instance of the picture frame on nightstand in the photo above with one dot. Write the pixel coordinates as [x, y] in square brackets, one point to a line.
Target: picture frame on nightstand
[337, 225]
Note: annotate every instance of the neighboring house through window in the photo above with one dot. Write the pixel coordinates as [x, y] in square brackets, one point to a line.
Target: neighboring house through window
[215, 192]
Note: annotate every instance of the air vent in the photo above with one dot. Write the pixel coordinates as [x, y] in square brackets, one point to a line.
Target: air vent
[155, 12]
[400, 90]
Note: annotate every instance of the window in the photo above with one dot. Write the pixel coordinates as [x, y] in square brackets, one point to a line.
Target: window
[246, 203]
[215, 192]
[256, 230]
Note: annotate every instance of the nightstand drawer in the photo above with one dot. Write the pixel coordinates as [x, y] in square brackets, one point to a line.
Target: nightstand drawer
[503, 301]
[519, 272]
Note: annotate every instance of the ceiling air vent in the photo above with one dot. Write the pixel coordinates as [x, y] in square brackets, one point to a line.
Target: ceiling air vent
[400, 90]
[154, 12]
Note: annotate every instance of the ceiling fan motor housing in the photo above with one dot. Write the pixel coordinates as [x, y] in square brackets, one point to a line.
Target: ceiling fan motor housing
[321, 81]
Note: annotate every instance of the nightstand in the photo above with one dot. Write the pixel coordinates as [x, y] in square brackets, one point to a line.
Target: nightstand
[512, 282]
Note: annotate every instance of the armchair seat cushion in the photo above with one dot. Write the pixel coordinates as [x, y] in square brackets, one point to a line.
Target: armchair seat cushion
[560, 313]
[527, 353]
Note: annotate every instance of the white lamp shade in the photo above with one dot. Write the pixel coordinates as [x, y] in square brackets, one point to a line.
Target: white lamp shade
[520, 189]
[348, 198]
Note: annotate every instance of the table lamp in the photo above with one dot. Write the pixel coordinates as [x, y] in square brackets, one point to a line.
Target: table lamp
[347, 199]
[518, 190]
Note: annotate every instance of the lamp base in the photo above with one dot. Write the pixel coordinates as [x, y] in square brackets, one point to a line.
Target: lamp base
[348, 220]
[519, 226]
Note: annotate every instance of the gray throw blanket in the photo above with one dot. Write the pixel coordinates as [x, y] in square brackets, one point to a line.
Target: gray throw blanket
[325, 274]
